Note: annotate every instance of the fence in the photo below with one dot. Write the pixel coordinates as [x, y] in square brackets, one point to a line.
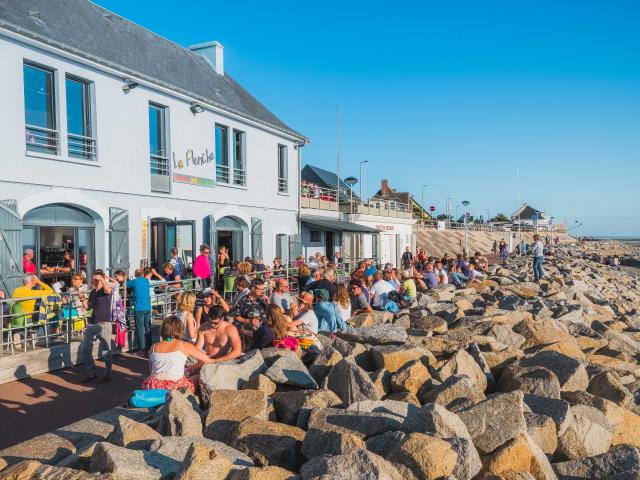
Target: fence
[488, 227]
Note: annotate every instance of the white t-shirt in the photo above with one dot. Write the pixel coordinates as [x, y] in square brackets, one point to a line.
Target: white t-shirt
[538, 249]
[443, 278]
[345, 313]
[379, 292]
[310, 320]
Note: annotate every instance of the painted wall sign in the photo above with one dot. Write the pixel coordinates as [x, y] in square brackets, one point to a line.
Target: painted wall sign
[385, 228]
[195, 169]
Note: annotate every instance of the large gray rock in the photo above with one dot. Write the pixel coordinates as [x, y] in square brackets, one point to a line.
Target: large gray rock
[468, 464]
[364, 424]
[33, 469]
[289, 370]
[129, 464]
[181, 416]
[289, 404]
[386, 334]
[535, 380]
[556, 409]
[177, 448]
[543, 432]
[229, 407]
[131, 434]
[588, 433]
[608, 385]
[462, 363]
[203, 461]
[322, 364]
[230, 375]
[571, 373]
[617, 461]
[495, 421]
[391, 407]
[330, 442]
[436, 420]
[457, 391]
[356, 465]
[350, 382]
[383, 444]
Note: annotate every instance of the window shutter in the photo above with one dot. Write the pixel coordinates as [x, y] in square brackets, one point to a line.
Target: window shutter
[256, 237]
[10, 246]
[118, 239]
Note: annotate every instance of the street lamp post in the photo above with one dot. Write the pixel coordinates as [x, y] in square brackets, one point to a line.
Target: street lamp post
[465, 204]
[449, 211]
[422, 202]
[361, 182]
[351, 181]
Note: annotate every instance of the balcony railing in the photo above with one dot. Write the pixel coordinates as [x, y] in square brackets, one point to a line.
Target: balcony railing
[82, 147]
[316, 197]
[159, 165]
[283, 185]
[381, 208]
[40, 139]
[235, 176]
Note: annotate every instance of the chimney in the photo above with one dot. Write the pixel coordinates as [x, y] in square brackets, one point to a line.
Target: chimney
[213, 52]
[384, 189]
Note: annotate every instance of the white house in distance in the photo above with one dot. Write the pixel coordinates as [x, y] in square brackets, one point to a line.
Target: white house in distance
[527, 215]
[380, 228]
[119, 145]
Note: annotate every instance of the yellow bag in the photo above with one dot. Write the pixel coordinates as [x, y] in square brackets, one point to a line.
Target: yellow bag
[79, 324]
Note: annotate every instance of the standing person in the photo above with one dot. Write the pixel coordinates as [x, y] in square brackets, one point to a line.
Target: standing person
[202, 266]
[28, 266]
[503, 250]
[141, 288]
[337, 258]
[407, 258]
[538, 255]
[177, 262]
[494, 249]
[99, 328]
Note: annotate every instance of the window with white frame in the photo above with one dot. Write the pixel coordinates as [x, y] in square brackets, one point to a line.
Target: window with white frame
[158, 154]
[41, 131]
[283, 170]
[222, 154]
[81, 142]
[239, 160]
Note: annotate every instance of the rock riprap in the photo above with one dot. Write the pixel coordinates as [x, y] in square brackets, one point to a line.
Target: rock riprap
[503, 379]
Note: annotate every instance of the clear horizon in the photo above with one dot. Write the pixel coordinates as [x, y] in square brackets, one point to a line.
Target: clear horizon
[456, 95]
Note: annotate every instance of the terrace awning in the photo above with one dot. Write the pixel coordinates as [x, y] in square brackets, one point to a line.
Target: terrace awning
[336, 225]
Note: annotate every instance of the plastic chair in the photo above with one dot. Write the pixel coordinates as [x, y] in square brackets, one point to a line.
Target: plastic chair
[229, 286]
[19, 321]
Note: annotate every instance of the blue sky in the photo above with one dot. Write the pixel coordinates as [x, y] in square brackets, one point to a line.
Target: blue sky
[455, 94]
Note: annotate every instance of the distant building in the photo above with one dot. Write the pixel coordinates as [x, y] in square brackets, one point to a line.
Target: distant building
[527, 215]
[400, 200]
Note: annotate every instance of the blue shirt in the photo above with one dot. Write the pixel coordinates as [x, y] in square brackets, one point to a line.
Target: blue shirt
[178, 265]
[464, 268]
[430, 279]
[370, 272]
[329, 319]
[141, 294]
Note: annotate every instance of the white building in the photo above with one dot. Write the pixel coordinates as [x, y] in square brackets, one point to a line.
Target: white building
[118, 144]
[379, 228]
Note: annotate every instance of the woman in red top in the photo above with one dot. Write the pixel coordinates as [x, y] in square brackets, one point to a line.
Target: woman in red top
[27, 262]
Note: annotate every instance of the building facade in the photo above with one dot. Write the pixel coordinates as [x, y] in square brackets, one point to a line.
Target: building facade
[119, 145]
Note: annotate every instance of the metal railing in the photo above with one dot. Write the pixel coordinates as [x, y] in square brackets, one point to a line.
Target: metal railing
[41, 139]
[81, 146]
[239, 176]
[488, 227]
[283, 185]
[159, 165]
[235, 176]
[316, 192]
[222, 173]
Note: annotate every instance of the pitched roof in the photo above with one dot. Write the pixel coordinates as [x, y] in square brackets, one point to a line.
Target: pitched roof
[89, 31]
[526, 212]
[326, 179]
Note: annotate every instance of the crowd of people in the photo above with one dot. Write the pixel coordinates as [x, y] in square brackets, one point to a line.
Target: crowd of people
[235, 307]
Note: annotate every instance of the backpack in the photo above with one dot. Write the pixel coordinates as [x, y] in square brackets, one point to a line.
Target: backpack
[391, 306]
[398, 299]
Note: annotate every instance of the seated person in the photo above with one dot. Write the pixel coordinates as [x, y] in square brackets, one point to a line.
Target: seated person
[481, 262]
[306, 318]
[167, 358]
[282, 298]
[78, 295]
[441, 274]
[380, 290]
[210, 299]
[29, 282]
[220, 339]
[274, 330]
[254, 301]
[359, 302]
[329, 317]
[430, 277]
[409, 285]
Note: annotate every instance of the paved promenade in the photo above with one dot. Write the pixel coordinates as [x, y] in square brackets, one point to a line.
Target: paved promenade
[40, 404]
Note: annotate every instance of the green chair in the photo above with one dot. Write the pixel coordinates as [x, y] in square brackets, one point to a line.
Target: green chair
[19, 320]
[229, 286]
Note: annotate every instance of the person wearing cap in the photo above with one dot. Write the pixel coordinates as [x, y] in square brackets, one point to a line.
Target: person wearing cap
[329, 318]
[359, 303]
[210, 298]
[306, 318]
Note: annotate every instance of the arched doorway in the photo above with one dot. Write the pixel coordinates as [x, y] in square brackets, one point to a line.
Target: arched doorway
[50, 231]
[230, 233]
